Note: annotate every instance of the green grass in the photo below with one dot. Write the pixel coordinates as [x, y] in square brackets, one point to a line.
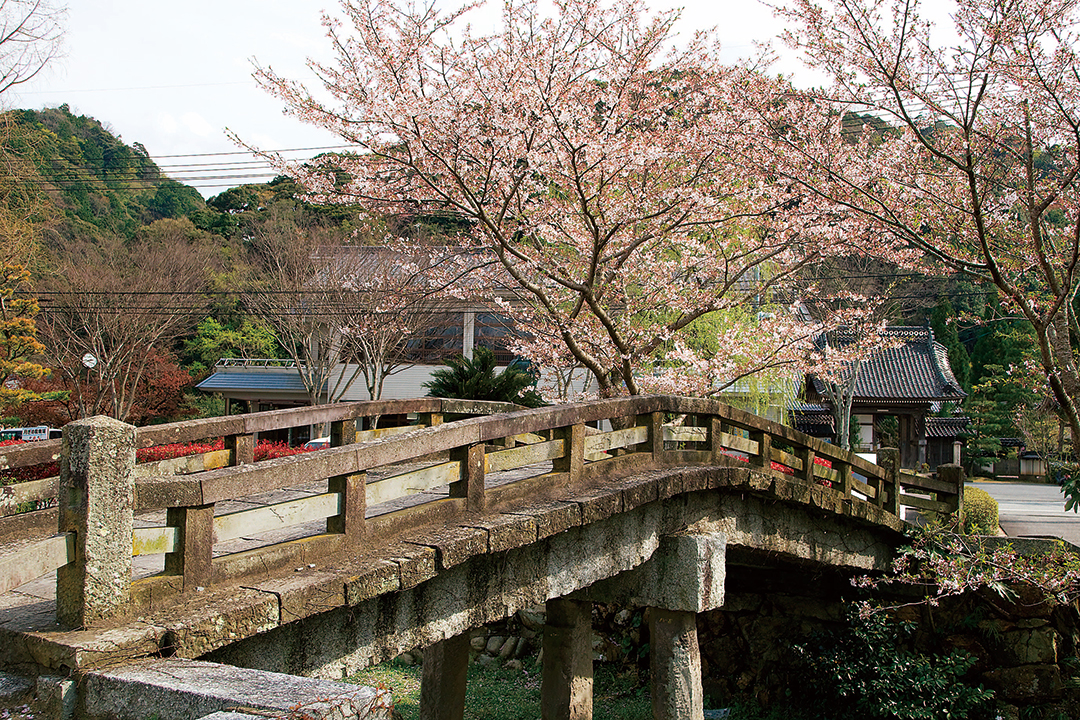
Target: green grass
[496, 693]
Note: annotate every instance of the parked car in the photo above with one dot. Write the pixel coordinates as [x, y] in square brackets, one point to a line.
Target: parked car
[317, 443]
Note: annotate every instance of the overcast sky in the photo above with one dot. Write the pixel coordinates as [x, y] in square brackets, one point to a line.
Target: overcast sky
[174, 75]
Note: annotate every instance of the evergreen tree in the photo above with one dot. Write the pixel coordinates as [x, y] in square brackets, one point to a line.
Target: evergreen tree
[476, 379]
[943, 323]
[1000, 344]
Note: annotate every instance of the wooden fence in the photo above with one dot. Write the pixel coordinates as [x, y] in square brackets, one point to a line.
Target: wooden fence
[374, 478]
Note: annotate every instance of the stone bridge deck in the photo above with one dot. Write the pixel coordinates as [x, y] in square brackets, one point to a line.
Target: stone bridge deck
[393, 539]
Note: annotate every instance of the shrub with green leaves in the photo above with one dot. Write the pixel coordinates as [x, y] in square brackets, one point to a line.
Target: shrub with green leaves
[980, 516]
[475, 379]
[865, 671]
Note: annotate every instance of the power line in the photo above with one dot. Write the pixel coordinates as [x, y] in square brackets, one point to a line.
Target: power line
[128, 174]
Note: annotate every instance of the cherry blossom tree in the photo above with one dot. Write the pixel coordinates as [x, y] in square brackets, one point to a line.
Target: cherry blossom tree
[593, 156]
[978, 173]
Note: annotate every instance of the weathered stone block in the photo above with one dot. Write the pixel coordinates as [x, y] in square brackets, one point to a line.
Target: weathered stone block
[183, 689]
[1026, 683]
[374, 579]
[1037, 646]
[508, 531]
[454, 545]
[686, 573]
[96, 500]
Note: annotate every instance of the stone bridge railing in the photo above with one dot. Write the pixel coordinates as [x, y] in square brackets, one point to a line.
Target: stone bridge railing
[374, 480]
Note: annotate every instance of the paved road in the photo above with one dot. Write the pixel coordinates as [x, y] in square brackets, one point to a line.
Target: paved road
[1033, 510]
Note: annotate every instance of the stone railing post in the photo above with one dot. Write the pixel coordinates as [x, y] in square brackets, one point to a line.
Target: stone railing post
[764, 457]
[342, 432]
[430, 419]
[716, 443]
[954, 475]
[350, 521]
[846, 478]
[473, 472]
[807, 455]
[655, 444]
[194, 555]
[573, 458]
[889, 487]
[96, 502]
[241, 449]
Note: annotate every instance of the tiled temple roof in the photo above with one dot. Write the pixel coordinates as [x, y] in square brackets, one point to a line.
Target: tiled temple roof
[915, 369]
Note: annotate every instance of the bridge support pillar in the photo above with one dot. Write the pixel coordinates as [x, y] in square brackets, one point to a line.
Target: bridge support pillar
[442, 685]
[566, 689]
[96, 502]
[674, 665]
[684, 576]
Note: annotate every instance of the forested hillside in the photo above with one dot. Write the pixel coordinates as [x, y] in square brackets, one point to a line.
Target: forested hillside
[134, 268]
[93, 181]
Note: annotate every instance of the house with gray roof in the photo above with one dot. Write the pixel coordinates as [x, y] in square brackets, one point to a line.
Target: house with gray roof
[908, 379]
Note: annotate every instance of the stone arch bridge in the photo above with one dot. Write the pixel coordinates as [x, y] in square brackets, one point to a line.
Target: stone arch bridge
[409, 536]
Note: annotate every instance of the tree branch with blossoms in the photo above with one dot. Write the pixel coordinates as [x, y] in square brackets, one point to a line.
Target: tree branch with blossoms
[945, 563]
[593, 156]
[979, 171]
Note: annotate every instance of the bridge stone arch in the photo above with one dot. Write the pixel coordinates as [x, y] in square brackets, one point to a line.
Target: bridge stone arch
[668, 553]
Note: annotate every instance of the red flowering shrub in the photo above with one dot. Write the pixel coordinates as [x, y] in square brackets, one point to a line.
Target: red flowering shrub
[267, 450]
[175, 450]
[778, 467]
[264, 450]
[29, 472]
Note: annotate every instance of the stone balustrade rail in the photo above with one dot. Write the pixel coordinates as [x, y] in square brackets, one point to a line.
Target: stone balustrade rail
[536, 454]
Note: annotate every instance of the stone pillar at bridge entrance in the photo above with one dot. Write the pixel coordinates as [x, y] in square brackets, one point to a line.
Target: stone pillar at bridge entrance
[96, 500]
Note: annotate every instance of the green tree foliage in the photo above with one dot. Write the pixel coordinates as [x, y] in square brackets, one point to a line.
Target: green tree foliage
[97, 183]
[853, 125]
[25, 208]
[239, 211]
[476, 379]
[992, 406]
[867, 671]
[943, 323]
[214, 340]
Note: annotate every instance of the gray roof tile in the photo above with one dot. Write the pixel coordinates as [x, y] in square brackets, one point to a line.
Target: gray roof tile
[253, 379]
[915, 370]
